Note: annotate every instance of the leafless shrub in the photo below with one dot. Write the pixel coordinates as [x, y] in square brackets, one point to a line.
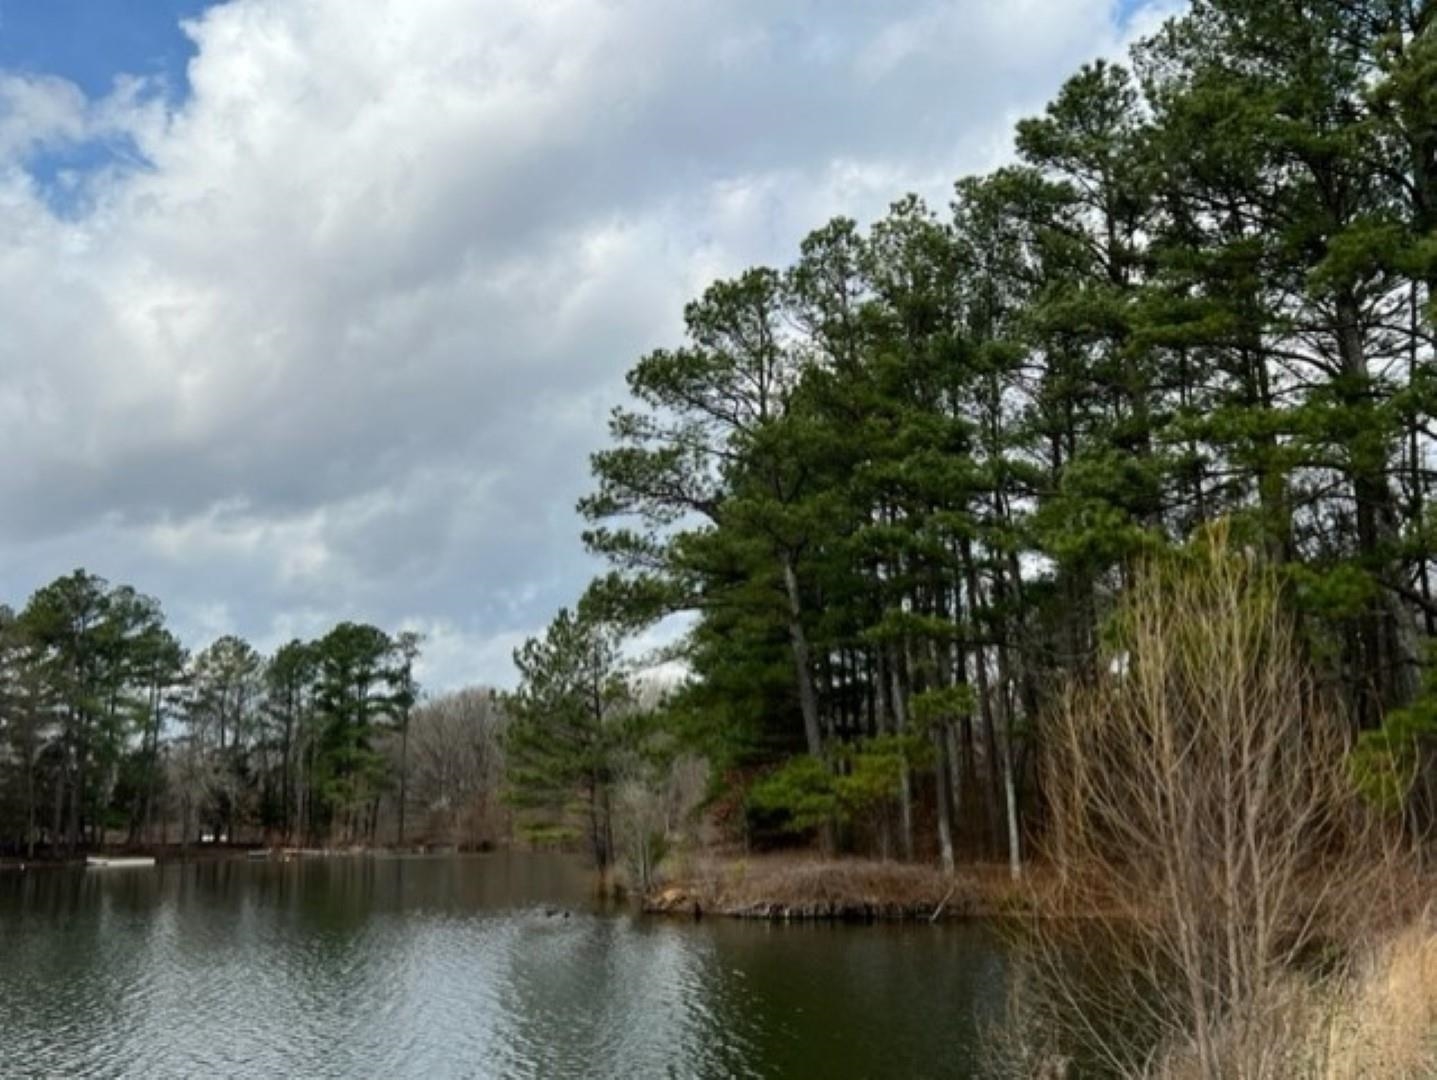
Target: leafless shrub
[653, 806]
[1208, 847]
[455, 765]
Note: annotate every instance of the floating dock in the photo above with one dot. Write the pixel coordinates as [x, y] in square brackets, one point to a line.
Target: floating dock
[118, 862]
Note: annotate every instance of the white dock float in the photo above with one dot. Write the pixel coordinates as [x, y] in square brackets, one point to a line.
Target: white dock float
[117, 862]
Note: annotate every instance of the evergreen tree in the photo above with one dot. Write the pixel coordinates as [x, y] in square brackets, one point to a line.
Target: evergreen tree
[566, 728]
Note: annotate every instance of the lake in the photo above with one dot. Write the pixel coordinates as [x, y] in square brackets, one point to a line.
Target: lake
[460, 967]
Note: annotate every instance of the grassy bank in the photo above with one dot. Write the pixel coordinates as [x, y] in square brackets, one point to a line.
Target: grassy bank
[806, 886]
[1384, 1021]
[1376, 1020]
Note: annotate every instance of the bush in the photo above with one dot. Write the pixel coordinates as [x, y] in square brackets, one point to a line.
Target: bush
[1204, 827]
[807, 793]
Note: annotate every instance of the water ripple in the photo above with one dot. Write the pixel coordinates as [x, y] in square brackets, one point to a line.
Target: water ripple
[397, 969]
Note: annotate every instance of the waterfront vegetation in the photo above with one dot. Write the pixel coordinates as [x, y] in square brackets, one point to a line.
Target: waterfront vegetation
[1085, 523]
[113, 731]
[1082, 527]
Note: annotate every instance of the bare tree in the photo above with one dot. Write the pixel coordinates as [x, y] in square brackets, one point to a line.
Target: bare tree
[192, 781]
[656, 797]
[1204, 827]
[658, 788]
[455, 764]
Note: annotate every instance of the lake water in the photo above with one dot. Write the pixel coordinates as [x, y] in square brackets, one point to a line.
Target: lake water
[397, 968]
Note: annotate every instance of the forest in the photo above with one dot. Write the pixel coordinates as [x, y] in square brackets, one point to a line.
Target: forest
[1064, 552]
[112, 732]
[889, 497]
[892, 493]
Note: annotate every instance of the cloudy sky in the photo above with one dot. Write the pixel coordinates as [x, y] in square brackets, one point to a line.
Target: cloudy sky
[313, 309]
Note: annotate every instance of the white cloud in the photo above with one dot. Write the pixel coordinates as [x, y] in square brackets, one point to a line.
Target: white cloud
[36, 111]
[340, 347]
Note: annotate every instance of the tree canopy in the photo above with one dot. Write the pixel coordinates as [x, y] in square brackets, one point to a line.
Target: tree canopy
[899, 484]
[111, 730]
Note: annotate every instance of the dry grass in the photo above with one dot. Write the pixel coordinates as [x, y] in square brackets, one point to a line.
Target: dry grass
[808, 887]
[1385, 1023]
[1379, 1022]
[1375, 1019]
[1202, 814]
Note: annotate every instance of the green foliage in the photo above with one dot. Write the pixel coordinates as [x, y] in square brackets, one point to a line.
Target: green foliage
[1334, 592]
[105, 716]
[895, 489]
[900, 486]
[931, 707]
[1386, 760]
[571, 723]
[807, 793]
[549, 833]
[802, 789]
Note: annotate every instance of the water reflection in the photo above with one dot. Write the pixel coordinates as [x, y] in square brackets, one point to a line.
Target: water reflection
[454, 968]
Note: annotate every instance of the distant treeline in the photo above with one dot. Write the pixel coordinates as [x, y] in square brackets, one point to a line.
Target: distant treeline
[900, 483]
[112, 731]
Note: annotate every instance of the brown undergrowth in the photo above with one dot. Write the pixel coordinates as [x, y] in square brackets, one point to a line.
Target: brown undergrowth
[804, 886]
[1247, 904]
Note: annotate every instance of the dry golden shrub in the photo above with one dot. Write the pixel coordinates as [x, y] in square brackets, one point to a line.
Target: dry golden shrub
[1212, 860]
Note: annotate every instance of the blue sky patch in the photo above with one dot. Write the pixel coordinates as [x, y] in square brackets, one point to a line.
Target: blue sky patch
[90, 42]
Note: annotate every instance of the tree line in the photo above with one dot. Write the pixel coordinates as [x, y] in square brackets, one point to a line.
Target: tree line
[111, 730]
[898, 486]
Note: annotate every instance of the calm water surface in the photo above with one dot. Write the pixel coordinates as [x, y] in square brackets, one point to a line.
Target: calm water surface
[399, 968]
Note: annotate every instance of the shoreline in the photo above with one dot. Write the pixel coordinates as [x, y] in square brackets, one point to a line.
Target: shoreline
[171, 854]
[787, 888]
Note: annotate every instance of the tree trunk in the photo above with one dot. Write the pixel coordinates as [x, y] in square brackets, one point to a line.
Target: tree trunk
[403, 773]
[596, 832]
[905, 772]
[1010, 787]
[1388, 656]
[1416, 509]
[884, 723]
[152, 761]
[945, 827]
[77, 795]
[58, 809]
[31, 810]
[802, 660]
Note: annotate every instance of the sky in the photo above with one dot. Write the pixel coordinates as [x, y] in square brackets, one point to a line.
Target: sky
[314, 309]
